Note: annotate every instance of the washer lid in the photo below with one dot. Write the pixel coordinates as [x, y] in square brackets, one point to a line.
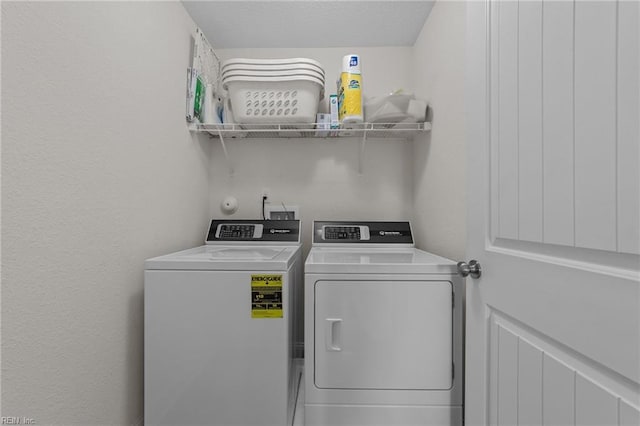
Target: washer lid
[237, 253]
[227, 258]
[376, 260]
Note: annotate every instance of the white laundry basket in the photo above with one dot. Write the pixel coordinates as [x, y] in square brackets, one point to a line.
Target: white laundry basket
[273, 91]
[276, 100]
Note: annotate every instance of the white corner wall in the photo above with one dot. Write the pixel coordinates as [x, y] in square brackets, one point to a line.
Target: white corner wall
[321, 175]
[98, 173]
[439, 157]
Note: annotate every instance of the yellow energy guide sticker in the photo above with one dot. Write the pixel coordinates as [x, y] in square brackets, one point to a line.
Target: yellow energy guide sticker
[266, 296]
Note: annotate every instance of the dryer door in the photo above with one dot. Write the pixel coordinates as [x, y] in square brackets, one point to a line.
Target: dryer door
[383, 335]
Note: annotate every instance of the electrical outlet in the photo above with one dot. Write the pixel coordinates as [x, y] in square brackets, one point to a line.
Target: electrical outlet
[282, 215]
[265, 193]
[280, 212]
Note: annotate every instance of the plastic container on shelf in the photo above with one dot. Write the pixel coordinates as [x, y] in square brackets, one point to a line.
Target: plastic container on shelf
[270, 62]
[211, 107]
[283, 67]
[273, 102]
[387, 109]
[276, 91]
[226, 82]
[279, 73]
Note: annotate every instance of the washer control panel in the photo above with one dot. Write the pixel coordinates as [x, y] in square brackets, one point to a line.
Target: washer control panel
[345, 232]
[238, 231]
[253, 231]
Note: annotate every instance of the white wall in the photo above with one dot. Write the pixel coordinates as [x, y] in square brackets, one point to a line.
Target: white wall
[99, 173]
[321, 176]
[439, 186]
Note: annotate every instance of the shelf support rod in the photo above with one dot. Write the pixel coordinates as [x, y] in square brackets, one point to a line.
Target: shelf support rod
[363, 141]
[224, 150]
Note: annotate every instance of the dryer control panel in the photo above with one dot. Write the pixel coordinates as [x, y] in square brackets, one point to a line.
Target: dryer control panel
[253, 231]
[345, 232]
[350, 232]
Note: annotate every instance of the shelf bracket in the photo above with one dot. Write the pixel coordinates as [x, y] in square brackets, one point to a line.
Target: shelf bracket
[224, 150]
[363, 142]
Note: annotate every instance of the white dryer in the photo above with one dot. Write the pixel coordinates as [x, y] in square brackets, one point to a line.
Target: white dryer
[383, 329]
[219, 327]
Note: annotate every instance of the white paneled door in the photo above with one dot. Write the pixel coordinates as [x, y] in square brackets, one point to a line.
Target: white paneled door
[553, 323]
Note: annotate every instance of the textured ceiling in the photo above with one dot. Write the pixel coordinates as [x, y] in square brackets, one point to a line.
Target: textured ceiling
[309, 23]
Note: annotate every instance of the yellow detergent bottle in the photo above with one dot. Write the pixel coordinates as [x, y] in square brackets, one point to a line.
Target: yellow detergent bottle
[350, 111]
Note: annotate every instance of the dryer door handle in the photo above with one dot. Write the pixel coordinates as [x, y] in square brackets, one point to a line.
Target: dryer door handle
[332, 334]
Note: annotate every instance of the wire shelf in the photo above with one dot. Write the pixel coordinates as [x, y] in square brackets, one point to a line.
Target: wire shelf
[311, 130]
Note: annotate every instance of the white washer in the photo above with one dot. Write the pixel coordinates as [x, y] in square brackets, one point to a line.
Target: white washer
[383, 329]
[219, 327]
